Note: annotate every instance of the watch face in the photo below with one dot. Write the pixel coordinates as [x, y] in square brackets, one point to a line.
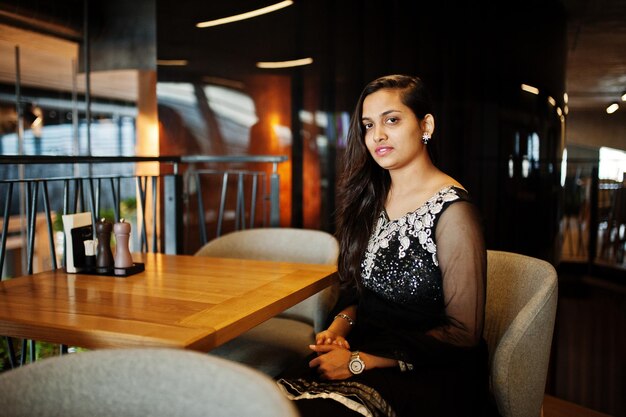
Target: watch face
[356, 366]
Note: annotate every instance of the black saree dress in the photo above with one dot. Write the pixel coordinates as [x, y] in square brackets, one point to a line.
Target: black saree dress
[421, 302]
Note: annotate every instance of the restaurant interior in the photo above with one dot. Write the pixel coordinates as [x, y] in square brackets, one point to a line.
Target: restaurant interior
[530, 100]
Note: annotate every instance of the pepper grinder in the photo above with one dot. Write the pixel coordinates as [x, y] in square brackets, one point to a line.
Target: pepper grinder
[104, 256]
[123, 259]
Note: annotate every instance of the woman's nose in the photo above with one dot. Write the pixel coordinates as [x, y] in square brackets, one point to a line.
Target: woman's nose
[379, 134]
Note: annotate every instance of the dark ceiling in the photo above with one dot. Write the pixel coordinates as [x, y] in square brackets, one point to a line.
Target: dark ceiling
[596, 56]
[596, 63]
[224, 45]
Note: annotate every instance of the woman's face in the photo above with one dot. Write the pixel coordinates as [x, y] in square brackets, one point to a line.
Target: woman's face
[393, 134]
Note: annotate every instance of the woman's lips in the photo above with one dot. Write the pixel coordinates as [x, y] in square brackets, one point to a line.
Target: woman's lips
[383, 150]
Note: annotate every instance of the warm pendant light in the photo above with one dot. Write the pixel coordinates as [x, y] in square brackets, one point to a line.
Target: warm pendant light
[246, 15]
[612, 108]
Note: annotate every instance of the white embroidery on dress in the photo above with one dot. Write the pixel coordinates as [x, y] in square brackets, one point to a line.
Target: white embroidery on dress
[418, 224]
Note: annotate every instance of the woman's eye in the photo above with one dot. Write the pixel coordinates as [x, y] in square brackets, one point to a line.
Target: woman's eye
[368, 126]
[392, 120]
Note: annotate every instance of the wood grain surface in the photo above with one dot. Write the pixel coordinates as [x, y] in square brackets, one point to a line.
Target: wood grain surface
[178, 301]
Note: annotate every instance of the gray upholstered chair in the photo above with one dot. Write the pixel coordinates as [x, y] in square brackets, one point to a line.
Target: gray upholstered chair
[138, 383]
[275, 344]
[519, 322]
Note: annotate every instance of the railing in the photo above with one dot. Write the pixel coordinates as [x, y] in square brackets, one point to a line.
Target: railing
[174, 196]
[262, 189]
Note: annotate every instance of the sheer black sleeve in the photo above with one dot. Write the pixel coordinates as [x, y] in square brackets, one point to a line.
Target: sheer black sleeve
[463, 262]
[462, 259]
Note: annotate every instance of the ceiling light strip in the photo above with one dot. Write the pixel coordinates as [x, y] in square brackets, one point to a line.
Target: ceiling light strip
[285, 64]
[612, 108]
[530, 89]
[247, 15]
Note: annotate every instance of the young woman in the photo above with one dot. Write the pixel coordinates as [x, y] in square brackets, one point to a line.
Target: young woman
[406, 339]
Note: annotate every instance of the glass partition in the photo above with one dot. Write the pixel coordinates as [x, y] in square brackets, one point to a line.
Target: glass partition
[594, 207]
[53, 104]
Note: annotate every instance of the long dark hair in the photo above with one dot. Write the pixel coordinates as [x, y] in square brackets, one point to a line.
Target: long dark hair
[363, 189]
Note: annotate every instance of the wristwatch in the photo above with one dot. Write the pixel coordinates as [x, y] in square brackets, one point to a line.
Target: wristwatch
[356, 364]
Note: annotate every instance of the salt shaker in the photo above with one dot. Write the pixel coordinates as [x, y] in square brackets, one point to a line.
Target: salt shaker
[123, 259]
[104, 256]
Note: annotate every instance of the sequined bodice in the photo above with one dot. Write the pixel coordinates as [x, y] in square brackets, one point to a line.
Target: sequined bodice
[400, 263]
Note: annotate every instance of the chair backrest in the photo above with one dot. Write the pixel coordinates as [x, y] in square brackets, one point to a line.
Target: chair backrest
[275, 244]
[288, 245]
[139, 383]
[519, 322]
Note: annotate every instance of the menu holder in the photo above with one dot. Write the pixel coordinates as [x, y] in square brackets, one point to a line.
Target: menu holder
[77, 228]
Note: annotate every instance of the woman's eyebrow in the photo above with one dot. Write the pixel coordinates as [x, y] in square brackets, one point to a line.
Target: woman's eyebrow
[386, 112]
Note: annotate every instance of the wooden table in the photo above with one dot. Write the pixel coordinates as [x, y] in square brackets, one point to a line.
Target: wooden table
[178, 301]
[556, 407]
